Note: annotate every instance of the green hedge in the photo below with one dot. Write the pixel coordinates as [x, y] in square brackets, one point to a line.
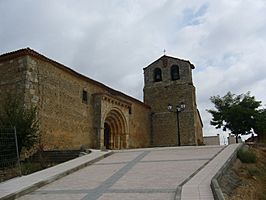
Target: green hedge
[246, 156]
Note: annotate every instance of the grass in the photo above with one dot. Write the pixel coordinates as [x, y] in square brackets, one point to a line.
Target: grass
[253, 171]
[28, 167]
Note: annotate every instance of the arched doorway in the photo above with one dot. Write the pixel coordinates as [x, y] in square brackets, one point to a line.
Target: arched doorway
[115, 136]
[107, 136]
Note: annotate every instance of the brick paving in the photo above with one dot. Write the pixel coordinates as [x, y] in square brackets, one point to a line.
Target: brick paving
[155, 173]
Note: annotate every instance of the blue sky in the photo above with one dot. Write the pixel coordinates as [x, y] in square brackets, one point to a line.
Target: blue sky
[111, 41]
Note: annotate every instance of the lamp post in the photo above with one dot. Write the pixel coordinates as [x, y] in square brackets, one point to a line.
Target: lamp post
[179, 108]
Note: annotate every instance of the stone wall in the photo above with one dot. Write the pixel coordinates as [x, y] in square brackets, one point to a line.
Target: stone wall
[66, 121]
[66, 116]
[140, 124]
[73, 109]
[232, 139]
[66, 103]
[198, 128]
[164, 123]
[13, 76]
[212, 140]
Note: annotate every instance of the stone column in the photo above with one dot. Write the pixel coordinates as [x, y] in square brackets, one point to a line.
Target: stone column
[101, 139]
[119, 141]
[127, 140]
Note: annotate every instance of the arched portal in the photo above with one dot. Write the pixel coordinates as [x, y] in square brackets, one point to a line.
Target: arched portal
[107, 135]
[115, 134]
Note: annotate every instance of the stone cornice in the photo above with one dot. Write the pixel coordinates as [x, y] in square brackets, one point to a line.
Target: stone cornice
[114, 100]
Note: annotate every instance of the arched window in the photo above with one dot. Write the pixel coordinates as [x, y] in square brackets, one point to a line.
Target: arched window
[175, 72]
[157, 75]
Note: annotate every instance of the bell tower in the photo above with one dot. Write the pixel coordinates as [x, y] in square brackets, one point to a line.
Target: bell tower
[169, 91]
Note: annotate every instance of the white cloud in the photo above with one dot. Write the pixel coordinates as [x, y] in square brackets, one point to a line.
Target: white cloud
[111, 41]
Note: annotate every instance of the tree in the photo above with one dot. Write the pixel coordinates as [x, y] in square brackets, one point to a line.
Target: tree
[260, 124]
[236, 113]
[16, 114]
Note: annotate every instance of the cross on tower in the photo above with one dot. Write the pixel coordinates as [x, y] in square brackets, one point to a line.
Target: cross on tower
[164, 52]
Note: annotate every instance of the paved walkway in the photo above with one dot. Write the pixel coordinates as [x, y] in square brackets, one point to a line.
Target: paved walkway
[198, 187]
[21, 185]
[155, 173]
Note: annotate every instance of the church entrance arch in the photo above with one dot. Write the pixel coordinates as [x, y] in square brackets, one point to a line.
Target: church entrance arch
[115, 127]
[107, 135]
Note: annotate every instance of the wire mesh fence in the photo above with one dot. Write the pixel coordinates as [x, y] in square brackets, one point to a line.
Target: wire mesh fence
[9, 156]
[13, 165]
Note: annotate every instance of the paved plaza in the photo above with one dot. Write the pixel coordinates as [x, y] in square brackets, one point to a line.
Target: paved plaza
[156, 174]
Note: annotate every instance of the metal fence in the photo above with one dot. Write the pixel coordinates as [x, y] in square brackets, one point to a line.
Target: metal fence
[9, 156]
[12, 165]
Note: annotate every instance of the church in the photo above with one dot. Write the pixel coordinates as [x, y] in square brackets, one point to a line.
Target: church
[75, 111]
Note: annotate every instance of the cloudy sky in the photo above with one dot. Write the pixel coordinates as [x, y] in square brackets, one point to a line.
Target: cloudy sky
[112, 40]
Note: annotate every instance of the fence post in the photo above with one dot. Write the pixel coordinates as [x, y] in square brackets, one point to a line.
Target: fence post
[16, 140]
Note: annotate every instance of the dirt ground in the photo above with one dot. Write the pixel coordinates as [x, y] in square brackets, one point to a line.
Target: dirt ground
[246, 181]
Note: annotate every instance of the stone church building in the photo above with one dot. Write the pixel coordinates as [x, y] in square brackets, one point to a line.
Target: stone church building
[75, 111]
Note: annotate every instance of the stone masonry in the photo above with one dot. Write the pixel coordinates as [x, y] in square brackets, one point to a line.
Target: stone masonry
[75, 111]
[72, 108]
[172, 85]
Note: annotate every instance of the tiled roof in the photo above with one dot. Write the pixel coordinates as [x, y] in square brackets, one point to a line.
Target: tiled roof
[167, 57]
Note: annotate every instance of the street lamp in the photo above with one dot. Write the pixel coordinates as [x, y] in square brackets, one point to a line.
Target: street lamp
[179, 108]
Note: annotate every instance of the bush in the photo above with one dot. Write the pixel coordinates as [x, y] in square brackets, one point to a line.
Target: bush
[246, 156]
